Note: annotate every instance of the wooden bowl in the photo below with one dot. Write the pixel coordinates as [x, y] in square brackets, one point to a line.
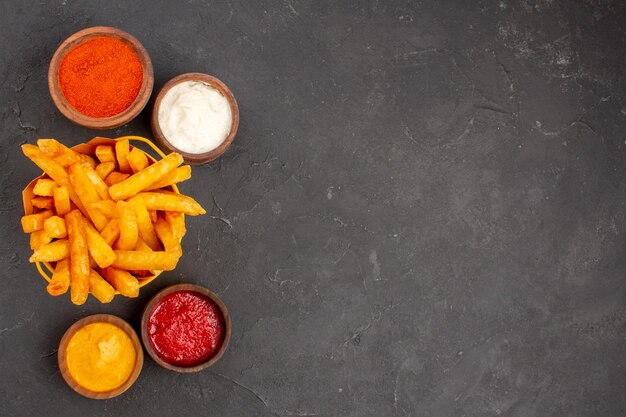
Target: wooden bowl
[102, 123]
[195, 158]
[185, 287]
[99, 318]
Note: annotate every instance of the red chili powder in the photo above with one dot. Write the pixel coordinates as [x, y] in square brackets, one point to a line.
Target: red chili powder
[101, 77]
[186, 328]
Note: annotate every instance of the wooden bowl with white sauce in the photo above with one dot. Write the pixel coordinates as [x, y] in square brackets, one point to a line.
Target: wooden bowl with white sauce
[195, 115]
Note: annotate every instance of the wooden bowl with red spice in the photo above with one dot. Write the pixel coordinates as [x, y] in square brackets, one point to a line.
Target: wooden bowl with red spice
[100, 77]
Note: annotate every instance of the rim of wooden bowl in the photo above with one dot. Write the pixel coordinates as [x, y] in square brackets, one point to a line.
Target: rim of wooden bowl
[100, 318]
[195, 158]
[185, 287]
[127, 114]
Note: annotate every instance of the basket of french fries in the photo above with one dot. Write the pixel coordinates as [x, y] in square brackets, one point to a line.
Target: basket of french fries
[105, 218]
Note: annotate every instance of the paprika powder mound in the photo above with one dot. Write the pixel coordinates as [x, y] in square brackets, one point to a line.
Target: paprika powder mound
[101, 77]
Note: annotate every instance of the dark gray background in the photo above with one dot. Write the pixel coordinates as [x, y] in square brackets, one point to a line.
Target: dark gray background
[422, 213]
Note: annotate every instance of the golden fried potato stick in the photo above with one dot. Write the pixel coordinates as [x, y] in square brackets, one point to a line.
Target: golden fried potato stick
[60, 281]
[44, 187]
[144, 224]
[137, 160]
[38, 239]
[44, 203]
[54, 171]
[170, 244]
[122, 281]
[105, 153]
[100, 288]
[105, 168]
[180, 174]
[33, 222]
[79, 257]
[122, 149]
[142, 179]
[115, 178]
[171, 202]
[129, 231]
[107, 207]
[97, 183]
[101, 252]
[140, 260]
[142, 246]
[54, 227]
[88, 194]
[64, 155]
[52, 252]
[111, 231]
[177, 224]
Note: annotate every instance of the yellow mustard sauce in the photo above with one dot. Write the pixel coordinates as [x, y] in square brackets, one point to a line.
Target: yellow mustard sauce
[100, 357]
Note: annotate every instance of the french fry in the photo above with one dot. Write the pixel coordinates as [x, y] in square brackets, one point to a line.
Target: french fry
[92, 262]
[52, 252]
[142, 246]
[100, 288]
[101, 252]
[97, 183]
[115, 178]
[105, 153]
[154, 215]
[62, 154]
[177, 224]
[180, 174]
[88, 194]
[140, 260]
[171, 202]
[79, 257]
[105, 168]
[60, 281]
[122, 149]
[42, 203]
[54, 171]
[137, 160]
[107, 207]
[54, 227]
[44, 187]
[111, 231]
[129, 231]
[142, 179]
[123, 281]
[47, 164]
[33, 222]
[38, 239]
[61, 198]
[170, 244]
[144, 224]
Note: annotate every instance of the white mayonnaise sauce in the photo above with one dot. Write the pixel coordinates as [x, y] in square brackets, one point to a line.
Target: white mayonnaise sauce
[195, 117]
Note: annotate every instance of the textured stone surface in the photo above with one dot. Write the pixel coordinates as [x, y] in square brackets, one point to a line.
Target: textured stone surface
[422, 213]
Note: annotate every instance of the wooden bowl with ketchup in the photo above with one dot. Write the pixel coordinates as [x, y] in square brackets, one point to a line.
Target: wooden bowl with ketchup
[185, 328]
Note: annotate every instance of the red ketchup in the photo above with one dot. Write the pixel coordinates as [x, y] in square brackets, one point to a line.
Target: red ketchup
[186, 328]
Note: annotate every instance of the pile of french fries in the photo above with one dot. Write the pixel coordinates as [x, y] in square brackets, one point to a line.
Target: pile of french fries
[105, 222]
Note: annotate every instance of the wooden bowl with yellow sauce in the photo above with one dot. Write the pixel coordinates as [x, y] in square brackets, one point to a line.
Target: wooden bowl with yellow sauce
[100, 356]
